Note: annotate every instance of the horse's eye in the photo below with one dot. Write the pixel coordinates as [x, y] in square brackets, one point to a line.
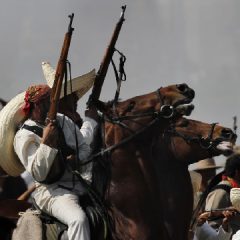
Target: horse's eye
[182, 87]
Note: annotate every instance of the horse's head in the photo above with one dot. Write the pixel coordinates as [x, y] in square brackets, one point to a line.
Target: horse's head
[166, 100]
[129, 116]
[191, 140]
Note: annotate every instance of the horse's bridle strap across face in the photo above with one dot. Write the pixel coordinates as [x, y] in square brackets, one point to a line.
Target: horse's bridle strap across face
[205, 142]
[165, 111]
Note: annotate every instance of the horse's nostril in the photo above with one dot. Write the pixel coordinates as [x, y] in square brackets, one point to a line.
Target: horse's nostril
[182, 87]
[227, 133]
[186, 90]
[190, 93]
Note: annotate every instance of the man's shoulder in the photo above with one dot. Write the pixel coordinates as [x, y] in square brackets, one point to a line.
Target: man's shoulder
[29, 122]
[24, 130]
[219, 196]
[63, 119]
[223, 185]
[221, 188]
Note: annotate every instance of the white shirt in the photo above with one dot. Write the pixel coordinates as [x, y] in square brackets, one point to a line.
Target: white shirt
[206, 232]
[236, 236]
[37, 157]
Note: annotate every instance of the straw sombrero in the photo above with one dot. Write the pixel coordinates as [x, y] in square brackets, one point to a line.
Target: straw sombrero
[208, 163]
[235, 197]
[10, 118]
[196, 179]
[80, 84]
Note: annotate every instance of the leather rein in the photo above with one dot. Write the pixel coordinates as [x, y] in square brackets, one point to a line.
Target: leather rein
[165, 112]
[205, 142]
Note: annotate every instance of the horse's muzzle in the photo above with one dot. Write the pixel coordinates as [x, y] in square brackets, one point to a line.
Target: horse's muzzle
[186, 90]
[228, 134]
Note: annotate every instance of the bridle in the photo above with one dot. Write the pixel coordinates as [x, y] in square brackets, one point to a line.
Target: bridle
[165, 112]
[205, 142]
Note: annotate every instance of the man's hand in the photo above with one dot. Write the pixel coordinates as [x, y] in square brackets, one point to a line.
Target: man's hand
[202, 218]
[228, 214]
[50, 135]
[92, 113]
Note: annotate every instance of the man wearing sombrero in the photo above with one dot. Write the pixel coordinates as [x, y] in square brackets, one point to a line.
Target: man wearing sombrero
[75, 89]
[37, 148]
[208, 169]
[219, 197]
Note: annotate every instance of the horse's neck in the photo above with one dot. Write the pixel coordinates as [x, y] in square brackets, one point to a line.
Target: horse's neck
[133, 191]
[127, 227]
[175, 192]
[133, 195]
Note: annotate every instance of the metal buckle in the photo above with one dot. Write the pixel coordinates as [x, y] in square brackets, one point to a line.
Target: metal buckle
[167, 111]
[206, 143]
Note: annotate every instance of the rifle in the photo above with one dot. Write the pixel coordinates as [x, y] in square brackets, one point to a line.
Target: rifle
[218, 213]
[60, 72]
[101, 74]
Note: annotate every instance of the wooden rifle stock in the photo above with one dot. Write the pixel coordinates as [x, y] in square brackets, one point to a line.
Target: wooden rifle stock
[60, 71]
[101, 74]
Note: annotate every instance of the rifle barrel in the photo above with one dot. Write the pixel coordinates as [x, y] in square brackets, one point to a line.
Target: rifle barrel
[101, 74]
[60, 71]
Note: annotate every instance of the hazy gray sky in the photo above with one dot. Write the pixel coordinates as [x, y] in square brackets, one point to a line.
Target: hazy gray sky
[165, 41]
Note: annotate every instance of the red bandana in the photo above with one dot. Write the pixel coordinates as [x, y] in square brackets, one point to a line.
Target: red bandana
[233, 183]
[35, 94]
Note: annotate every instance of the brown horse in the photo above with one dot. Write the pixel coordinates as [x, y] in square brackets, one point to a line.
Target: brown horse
[149, 192]
[183, 143]
[162, 104]
[149, 148]
[137, 138]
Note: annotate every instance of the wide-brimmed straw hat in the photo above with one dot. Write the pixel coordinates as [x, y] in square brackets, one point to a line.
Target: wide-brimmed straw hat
[11, 117]
[196, 180]
[235, 197]
[208, 163]
[80, 84]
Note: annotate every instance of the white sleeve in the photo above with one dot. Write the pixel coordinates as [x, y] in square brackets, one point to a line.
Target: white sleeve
[206, 232]
[223, 235]
[88, 129]
[84, 136]
[37, 158]
[236, 236]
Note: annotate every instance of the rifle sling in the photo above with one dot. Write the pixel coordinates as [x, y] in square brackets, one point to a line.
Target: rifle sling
[35, 129]
[59, 164]
[224, 187]
[66, 150]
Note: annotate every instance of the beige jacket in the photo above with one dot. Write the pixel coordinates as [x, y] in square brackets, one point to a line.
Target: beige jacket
[219, 198]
